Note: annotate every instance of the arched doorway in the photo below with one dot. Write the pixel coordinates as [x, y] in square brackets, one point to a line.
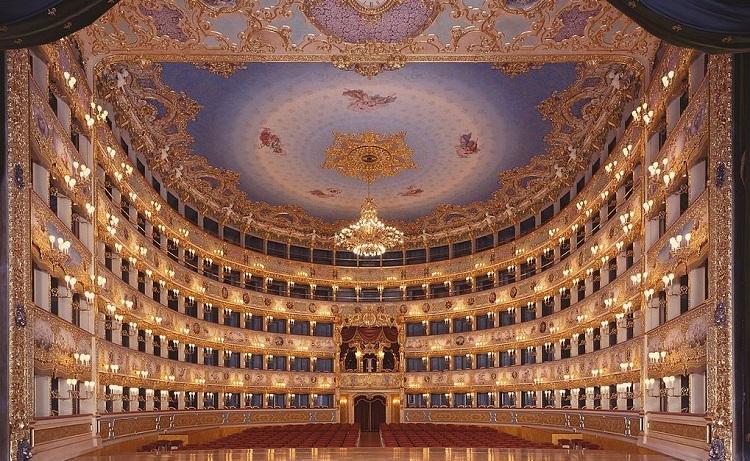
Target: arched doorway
[369, 413]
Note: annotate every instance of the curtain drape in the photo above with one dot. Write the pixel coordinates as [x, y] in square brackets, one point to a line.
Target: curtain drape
[25, 23]
[713, 26]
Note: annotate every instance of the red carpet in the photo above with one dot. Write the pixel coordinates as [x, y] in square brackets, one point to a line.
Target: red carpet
[369, 439]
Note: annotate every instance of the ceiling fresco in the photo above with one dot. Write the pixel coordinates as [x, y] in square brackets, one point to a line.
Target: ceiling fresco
[252, 145]
[272, 124]
[235, 102]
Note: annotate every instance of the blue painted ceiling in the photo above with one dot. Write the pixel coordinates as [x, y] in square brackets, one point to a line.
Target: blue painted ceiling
[272, 123]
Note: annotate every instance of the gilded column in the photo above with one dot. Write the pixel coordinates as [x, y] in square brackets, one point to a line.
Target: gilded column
[20, 337]
[719, 363]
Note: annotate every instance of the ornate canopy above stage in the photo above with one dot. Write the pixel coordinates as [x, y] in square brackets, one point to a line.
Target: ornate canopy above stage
[369, 339]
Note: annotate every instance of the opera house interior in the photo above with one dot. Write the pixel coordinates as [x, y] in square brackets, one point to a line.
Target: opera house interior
[388, 229]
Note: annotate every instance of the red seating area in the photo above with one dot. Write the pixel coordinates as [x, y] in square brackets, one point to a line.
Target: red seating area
[451, 435]
[287, 436]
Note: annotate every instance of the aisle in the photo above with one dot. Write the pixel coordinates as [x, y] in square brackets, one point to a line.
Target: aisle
[369, 439]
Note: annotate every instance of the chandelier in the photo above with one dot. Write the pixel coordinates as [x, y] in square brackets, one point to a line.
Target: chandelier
[369, 156]
[369, 236]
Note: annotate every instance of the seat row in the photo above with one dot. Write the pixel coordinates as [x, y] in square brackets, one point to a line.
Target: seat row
[287, 436]
[451, 435]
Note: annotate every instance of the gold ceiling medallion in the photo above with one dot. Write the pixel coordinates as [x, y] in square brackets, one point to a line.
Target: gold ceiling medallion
[369, 155]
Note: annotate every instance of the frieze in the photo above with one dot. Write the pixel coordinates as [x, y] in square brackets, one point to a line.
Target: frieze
[188, 376]
[569, 373]
[688, 431]
[369, 380]
[613, 423]
[42, 436]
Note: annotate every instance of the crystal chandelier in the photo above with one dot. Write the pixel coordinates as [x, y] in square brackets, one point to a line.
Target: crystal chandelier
[369, 236]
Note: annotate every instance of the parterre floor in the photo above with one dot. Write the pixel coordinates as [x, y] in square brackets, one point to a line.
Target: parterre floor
[390, 454]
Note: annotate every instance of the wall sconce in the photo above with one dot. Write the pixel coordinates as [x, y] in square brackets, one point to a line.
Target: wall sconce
[59, 243]
[666, 79]
[115, 322]
[677, 241]
[142, 374]
[654, 169]
[81, 170]
[668, 178]
[132, 329]
[69, 79]
[642, 113]
[639, 278]
[112, 368]
[174, 345]
[657, 357]
[668, 391]
[621, 321]
[99, 112]
[70, 282]
[610, 301]
[82, 359]
[70, 182]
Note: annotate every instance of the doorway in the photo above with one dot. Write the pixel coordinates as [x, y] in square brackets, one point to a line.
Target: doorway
[369, 413]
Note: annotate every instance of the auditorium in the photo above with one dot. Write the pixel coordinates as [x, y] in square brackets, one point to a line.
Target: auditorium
[300, 230]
